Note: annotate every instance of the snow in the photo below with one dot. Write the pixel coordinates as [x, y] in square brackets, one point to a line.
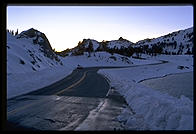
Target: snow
[94, 42]
[22, 57]
[174, 84]
[179, 36]
[96, 59]
[38, 33]
[21, 83]
[28, 69]
[152, 109]
[24, 49]
[40, 39]
[118, 44]
[104, 59]
[145, 72]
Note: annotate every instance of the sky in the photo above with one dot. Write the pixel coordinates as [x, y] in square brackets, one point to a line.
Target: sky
[65, 26]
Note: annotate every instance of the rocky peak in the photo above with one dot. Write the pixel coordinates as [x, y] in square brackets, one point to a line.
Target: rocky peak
[39, 38]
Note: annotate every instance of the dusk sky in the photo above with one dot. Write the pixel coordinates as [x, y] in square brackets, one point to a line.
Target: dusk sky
[65, 26]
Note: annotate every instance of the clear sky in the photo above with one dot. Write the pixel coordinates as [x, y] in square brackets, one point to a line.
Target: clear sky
[65, 26]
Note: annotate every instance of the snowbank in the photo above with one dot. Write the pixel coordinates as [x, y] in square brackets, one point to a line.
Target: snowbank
[105, 59]
[21, 83]
[175, 84]
[151, 109]
[97, 59]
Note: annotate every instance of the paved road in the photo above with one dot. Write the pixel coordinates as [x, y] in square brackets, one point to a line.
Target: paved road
[82, 83]
[65, 104]
[81, 101]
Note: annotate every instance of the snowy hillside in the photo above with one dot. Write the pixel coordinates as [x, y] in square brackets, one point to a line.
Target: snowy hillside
[179, 42]
[119, 43]
[94, 43]
[120, 46]
[30, 54]
[176, 43]
[31, 63]
[25, 56]
[97, 59]
[181, 36]
[87, 45]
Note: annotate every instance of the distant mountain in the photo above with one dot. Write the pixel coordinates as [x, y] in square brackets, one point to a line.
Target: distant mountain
[40, 39]
[120, 43]
[120, 46]
[29, 51]
[179, 42]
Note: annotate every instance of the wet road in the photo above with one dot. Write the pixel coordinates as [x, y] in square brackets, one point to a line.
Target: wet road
[82, 83]
[81, 101]
[66, 104]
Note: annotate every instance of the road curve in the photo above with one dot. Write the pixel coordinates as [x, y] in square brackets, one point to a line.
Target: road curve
[81, 83]
[72, 98]
[65, 104]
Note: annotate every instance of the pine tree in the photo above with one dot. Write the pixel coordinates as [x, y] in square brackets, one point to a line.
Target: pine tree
[79, 43]
[16, 33]
[90, 48]
[175, 44]
[12, 32]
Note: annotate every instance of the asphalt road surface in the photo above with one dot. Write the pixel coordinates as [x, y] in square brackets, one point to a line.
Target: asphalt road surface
[67, 104]
[82, 101]
[82, 83]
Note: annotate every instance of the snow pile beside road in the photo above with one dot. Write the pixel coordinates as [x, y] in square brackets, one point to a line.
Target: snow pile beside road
[98, 59]
[21, 83]
[151, 109]
[179, 60]
[104, 59]
[142, 72]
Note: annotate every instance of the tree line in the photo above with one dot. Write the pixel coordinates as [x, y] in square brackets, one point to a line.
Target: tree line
[12, 32]
[151, 49]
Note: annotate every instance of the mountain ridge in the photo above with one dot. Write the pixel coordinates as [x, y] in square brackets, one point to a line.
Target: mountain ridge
[174, 43]
[29, 51]
[177, 42]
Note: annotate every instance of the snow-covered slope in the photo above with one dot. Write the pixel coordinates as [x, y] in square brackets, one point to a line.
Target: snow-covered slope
[179, 42]
[95, 44]
[31, 63]
[87, 45]
[121, 43]
[176, 43]
[90, 45]
[26, 55]
[30, 54]
[181, 36]
[97, 59]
